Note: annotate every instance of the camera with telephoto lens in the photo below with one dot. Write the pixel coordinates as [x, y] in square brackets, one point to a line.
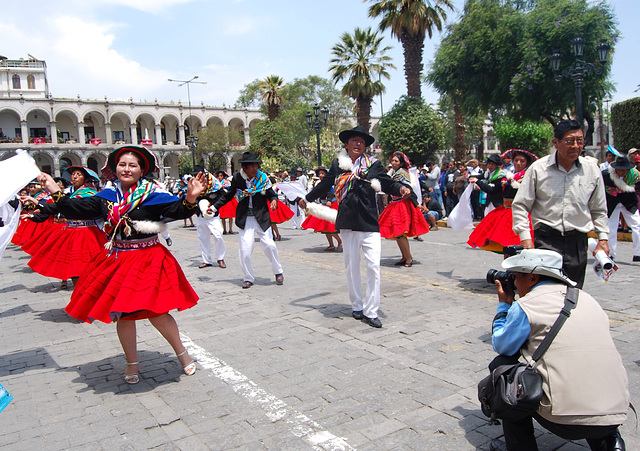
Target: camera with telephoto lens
[506, 278]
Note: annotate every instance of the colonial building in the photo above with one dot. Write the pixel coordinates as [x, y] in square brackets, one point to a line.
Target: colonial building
[63, 132]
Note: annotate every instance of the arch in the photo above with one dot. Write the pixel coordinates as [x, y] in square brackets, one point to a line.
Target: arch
[170, 165]
[38, 123]
[253, 123]
[45, 161]
[98, 163]
[32, 112]
[197, 124]
[10, 125]
[236, 132]
[213, 121]
[120, 127]
[15, 80]
[145, 126]
[8, 154]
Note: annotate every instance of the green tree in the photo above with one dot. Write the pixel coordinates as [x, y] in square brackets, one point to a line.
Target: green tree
[411, 21]
[414, 128]
[625, 117]
[271, 88]
[357, 58]
[497, 57]
[529, 135]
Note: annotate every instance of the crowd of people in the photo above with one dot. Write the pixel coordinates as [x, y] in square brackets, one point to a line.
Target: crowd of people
[106, 240]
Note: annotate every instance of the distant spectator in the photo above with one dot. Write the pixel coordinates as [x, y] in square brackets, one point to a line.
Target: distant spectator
[609, 158]
[433, 181]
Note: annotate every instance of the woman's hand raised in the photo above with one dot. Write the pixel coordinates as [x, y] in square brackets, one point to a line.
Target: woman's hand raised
[195, 187]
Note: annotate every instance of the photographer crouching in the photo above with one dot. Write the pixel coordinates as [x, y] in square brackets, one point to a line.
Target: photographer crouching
[584, 384]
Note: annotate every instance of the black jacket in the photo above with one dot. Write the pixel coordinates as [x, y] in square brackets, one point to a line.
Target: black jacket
[629, 200]
[359, 209]
[260, 203]
[493, 190]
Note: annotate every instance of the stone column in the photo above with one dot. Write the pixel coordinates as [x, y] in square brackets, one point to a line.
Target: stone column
[81, 138]
[25, 132]
[53, 131]
[247, 138]
[134, 133]
[183, 139]
[56, 165]
[158, 137]
[107, 132]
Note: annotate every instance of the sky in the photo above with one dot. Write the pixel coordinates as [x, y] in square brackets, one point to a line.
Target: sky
[129, 48]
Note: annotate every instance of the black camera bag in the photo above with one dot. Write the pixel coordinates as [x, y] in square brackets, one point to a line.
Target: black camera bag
[513, 392]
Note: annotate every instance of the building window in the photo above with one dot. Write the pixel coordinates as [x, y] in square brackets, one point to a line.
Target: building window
[16, 81]
[31, 82]
[118, 136]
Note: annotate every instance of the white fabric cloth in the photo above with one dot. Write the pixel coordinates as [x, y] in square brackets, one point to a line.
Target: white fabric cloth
[245, 248]
[370, 243]
[15, 173]
[11, 219]
[292, 190]
[415, 183]
[461, 217]
[633, 221]
[211, 226]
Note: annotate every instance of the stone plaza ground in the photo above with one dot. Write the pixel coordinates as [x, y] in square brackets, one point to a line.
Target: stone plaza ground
[280, 367]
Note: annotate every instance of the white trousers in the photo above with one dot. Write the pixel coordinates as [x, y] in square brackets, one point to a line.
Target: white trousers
[211, 226]
[245, 248]
[633, 221]
[370, 243]
[165, 233]
[298, 217]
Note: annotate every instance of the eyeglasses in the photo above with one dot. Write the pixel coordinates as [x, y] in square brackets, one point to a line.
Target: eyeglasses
[572, 141]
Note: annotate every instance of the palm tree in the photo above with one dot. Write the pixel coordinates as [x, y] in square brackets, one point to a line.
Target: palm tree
[410, 21]
[271, 88]
[357, 57]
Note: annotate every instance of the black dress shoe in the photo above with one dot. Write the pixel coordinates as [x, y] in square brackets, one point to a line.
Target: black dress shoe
[279, 279]
[613, 442]
[247, 284]
[169, 241]
[636, 258]
[373, 322]
[357, 314]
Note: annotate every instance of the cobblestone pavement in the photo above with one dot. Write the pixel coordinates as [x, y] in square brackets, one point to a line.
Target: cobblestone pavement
[279, 367]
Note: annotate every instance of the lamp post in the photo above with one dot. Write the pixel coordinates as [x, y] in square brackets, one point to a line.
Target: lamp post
[579, 69]
[192, 141]
[316, 125]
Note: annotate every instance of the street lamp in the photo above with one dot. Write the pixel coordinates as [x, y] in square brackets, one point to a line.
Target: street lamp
[579, 69]
[192, 141]
[316, 125]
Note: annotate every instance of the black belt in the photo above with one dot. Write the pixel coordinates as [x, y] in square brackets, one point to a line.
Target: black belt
[544, 229]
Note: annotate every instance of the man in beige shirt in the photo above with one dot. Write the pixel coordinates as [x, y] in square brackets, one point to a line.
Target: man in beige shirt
[565, 196]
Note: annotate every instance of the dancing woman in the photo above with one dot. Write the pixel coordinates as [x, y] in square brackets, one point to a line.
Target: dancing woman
[320, 225]
[402, 218]
[135, 277]
[72, 246]
[495, 231]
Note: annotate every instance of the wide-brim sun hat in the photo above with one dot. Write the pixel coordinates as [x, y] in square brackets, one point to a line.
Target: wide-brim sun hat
[147, 157]
[344, 135]
[538, 261]
[248, 158]
[622, 163]
[89, 175]
[511, 153]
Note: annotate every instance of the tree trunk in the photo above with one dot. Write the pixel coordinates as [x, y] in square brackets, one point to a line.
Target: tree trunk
[603, 136]
[363, 113]
[412, 46]
[459, 146]
[588, 133]
[273, 110]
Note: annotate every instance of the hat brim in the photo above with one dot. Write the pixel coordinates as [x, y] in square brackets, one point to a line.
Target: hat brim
[623, 166]
[88, 173]
[525, 153]
[147, 157]
[346, 134]
[250, 160]
[541, 270]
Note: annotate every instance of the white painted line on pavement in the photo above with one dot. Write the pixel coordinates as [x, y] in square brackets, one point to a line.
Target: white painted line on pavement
[275, 409]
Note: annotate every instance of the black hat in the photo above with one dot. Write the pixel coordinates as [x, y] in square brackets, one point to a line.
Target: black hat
[62, 180]
[148, 158]
[321, 169]
[622, 163]
[494, 157]
[356, 131]
[249, 157]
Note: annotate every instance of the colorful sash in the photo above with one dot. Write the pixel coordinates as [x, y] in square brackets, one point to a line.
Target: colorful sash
[402, 176]
[497, 174]
[516, 178]
[345, 181]
[258, 184]
[134, 196]
[213, 185]
[84, 191]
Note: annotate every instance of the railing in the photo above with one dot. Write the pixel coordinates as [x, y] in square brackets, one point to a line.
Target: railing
[32, 64]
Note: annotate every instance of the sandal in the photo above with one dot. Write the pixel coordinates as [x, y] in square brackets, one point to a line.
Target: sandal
[190, 368]
[246, 284]
[400, 263]
[408, 264]
[63, 285]
[329, 248]
[205, 265]
[132, 378]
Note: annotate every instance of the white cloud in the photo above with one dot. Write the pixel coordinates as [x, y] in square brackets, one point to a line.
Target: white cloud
[85, 50]
[149, 6]
[241, 25]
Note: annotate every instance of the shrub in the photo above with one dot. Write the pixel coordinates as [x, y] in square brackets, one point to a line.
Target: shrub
[625, 121]
[528, 135]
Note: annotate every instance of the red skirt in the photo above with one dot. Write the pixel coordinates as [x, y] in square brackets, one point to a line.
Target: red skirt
[131, 284]
[497, 226]
[228, 210]
[281, 214]
[67, 251]
[321, 225]
[402, 218]
[26, 230]
[34, 243]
